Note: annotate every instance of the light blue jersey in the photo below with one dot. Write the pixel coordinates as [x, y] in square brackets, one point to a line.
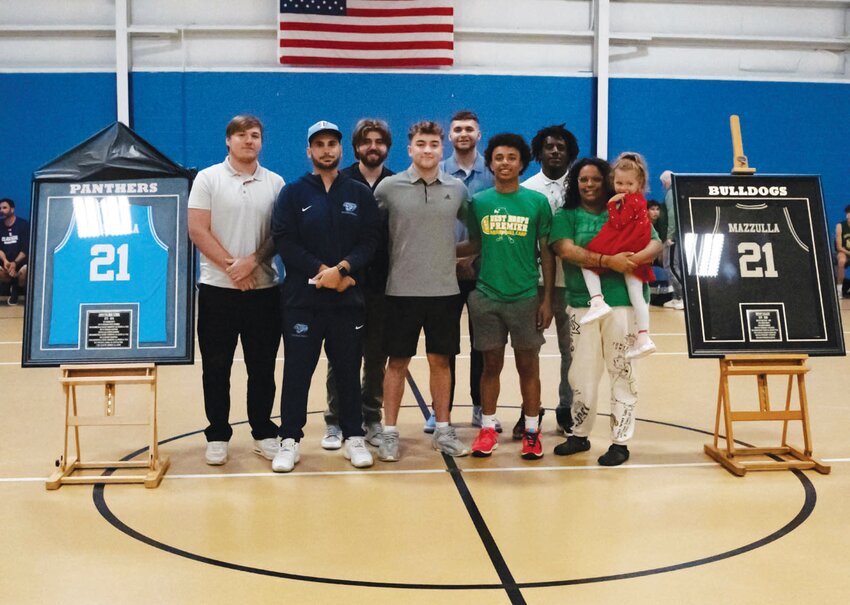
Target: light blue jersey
[110, 255]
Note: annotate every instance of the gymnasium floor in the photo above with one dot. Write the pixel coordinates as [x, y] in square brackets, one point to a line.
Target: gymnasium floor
[669, 526]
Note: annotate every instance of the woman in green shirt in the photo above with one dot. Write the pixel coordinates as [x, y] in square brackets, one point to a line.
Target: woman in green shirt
[601, 345]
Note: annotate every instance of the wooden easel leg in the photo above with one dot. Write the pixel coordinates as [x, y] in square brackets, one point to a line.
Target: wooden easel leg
[804, 411]
[76, 426]
[719, 407]
[727, 417]
[787, 409]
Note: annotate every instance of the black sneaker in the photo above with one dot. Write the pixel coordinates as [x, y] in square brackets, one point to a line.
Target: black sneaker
[615, 456]
[13, 295]
[573, 445]
[518, 431]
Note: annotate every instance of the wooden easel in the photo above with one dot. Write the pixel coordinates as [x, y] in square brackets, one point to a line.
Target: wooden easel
[110, 376]
[784, 456]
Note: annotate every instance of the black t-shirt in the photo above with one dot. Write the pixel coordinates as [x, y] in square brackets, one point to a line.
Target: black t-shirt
[379, 268]
[15, 238]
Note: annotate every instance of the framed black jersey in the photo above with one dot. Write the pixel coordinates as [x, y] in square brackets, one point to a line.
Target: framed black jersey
[757, 265]
[111, 264]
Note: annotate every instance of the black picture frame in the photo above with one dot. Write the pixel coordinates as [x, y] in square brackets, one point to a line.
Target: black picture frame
[110, 263]
[757, 265]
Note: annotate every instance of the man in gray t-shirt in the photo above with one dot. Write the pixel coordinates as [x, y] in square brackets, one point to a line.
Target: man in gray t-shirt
[422, 205]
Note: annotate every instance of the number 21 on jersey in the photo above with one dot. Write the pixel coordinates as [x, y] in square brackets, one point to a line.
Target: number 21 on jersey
[101, 267]
[751, 259]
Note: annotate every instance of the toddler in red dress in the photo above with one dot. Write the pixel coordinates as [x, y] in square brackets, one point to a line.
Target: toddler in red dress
[628, 229]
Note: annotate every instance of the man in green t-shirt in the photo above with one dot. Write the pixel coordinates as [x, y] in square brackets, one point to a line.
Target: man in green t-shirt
[506, 223]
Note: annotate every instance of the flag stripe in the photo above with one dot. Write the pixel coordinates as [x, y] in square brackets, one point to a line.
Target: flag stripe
[367, 54]
[401, 12]
[377, 63]
[348, 45]
[302, 35]
[365, 20]
[365, 29]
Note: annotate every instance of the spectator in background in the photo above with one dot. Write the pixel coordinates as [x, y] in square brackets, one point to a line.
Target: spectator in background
[842, 247]
[672, 254]
[14, 246]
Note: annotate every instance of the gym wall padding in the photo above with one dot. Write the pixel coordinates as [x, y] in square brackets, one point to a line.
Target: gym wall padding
[788, 127]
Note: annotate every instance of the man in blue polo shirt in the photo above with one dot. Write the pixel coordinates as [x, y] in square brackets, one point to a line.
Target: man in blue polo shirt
[468, 165]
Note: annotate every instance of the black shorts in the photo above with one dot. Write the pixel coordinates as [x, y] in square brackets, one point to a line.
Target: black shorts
[407, 316]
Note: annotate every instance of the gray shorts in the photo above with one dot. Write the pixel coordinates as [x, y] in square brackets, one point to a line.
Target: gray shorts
[493, 320]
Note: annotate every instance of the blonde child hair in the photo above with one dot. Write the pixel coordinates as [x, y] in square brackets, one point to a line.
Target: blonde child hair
[632, 161]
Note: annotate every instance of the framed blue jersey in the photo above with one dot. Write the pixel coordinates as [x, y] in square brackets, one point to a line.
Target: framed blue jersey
[757, 265]
[111, 273]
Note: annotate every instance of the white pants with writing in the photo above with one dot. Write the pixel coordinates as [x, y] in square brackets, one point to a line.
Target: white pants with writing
[599, 346]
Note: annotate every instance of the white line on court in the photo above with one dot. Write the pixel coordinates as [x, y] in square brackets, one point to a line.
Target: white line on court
[432, 471]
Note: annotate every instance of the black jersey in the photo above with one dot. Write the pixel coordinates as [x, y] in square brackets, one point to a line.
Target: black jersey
[845, 235]
[759, 257]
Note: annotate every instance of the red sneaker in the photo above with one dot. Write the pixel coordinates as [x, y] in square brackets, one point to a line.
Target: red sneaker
[484, 444]
[532, 449]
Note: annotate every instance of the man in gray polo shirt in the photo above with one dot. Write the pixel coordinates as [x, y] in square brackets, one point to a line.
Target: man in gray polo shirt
[422, 205]
[230, 209]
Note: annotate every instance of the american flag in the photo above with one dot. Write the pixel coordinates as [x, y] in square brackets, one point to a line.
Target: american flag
[367, 33]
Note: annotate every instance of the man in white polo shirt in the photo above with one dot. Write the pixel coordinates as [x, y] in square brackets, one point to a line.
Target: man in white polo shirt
[555, 148]
[230, 209]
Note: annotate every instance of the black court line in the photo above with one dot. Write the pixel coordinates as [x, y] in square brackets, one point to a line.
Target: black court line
[420, 401]
[475, 515]
[804, 513]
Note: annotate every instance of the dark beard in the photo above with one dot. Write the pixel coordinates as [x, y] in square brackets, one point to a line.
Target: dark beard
[319, 166]
[369, 161]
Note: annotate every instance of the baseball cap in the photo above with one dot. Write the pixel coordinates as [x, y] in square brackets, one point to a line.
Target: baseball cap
[323, 126]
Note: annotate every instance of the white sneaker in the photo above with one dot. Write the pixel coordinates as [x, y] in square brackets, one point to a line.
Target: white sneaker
[267, 448]
[216, 453]
[355, 450]
[287, 456]
[374, 433]
[641, 348]
[595, 313]
[674, 303]
[333, 437]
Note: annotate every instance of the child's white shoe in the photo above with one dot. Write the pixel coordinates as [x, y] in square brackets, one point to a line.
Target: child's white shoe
[643, 346]
[597, 311]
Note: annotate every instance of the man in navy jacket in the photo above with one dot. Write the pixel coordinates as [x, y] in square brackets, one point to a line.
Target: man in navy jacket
[326, 227]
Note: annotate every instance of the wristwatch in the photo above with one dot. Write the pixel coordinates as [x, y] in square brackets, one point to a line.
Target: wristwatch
[342, 270]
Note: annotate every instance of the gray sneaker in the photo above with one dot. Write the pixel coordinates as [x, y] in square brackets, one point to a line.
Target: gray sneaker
[388, 450]
[374, 433]
[445, 440]
[333, 437]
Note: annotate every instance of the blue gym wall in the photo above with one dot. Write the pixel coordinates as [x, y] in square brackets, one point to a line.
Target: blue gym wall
[677, 124]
